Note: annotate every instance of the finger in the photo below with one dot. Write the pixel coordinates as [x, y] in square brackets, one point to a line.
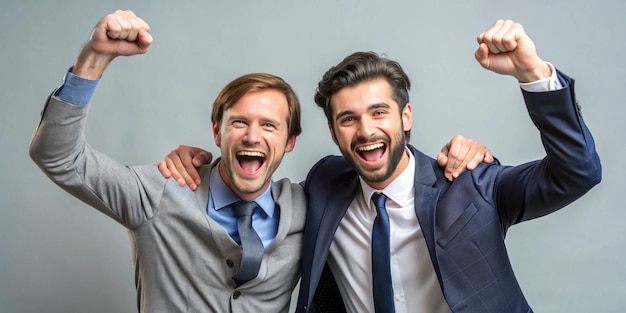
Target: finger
[509, 36]
[125, 25]
[181, 164]
[163, 169]
[130, 26]
[498, 36]
[501, 36]
[488, 157]
[134, 29]
[477, 157]
[203, 157]
[486, 37]
[117, 27]
[174, 172]
[453, 152]
[111, 26]
[457, 155]
[460, 167]
[442, 158]
[479, 154]
[188, 170]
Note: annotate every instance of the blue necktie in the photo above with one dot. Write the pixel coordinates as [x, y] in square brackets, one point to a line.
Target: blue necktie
[251, 245]
[381, 272]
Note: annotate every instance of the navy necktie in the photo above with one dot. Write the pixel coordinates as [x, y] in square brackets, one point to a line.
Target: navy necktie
[251, 245]
[381, 272]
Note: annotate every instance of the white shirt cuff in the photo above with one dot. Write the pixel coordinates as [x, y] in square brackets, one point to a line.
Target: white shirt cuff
[546, 84]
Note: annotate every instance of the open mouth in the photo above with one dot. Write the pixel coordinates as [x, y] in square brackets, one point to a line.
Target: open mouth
[250, 161]
[372, 152]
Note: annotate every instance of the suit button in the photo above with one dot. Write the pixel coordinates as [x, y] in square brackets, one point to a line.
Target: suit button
[230, 263]
[236, 294]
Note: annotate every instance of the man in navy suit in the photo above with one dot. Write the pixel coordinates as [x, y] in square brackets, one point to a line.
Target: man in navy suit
[445, 239]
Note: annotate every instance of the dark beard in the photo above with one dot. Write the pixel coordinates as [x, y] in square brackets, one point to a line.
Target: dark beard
[395, 155]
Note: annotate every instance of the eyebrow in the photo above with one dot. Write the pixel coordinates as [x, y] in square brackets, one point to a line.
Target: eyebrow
[369, 108]
[273, 120]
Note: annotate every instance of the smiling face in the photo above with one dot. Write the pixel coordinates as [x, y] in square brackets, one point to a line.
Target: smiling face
[369, 130]
[253, 136]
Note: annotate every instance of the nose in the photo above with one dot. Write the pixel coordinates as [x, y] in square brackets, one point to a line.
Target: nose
[253, 134]
[366, 128]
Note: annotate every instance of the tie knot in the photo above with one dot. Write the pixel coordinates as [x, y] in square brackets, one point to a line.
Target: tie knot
[379, 199]
[244, 208]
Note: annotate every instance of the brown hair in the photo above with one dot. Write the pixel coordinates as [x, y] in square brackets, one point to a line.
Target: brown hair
[360, 67]
[242, 85]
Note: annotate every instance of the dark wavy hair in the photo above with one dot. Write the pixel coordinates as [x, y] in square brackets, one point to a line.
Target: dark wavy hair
[361, 67]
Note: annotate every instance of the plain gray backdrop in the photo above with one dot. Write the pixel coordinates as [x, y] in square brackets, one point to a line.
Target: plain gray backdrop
[59, 255]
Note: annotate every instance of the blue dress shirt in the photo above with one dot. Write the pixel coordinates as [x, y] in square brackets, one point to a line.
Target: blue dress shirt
[264, 221]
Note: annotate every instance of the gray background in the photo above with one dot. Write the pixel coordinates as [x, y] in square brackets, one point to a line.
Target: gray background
[58, 255]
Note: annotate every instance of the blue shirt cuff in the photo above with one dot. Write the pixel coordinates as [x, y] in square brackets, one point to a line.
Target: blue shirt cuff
[77, 90]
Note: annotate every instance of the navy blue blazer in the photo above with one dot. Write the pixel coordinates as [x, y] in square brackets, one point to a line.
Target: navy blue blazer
[465, 222]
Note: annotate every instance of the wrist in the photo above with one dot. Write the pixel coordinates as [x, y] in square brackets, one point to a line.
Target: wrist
[91, 65]
[540, 72]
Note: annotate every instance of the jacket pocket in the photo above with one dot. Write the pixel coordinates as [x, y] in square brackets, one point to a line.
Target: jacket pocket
[447, 235]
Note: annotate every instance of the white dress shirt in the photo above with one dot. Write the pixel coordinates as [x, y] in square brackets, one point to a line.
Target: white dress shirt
[415, 284]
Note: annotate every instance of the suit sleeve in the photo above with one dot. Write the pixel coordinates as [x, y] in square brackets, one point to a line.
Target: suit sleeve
[129, 195]
[570, 168]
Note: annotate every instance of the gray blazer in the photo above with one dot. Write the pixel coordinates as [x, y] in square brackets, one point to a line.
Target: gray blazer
[184, 260]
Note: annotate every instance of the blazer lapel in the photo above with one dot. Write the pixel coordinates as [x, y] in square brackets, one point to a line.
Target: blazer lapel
[202, 193]
[426, 197]
[284, 201]
[332, 212]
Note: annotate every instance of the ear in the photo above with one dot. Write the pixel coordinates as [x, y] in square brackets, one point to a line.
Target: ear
[332, 133]
[291, 143]
[407, 117]
[216, 133]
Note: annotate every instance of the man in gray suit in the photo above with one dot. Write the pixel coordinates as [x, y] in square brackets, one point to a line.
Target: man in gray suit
[186, 245]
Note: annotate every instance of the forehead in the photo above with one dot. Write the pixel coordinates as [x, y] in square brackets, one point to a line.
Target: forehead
[363, 95]
[262, 102]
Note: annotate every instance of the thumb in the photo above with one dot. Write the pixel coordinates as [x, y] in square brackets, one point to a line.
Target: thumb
[482, 56]
[144, 40]
[202, 158]
[442, 160]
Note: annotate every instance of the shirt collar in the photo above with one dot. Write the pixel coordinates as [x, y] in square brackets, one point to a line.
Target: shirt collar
[223, 196]
[397, 191]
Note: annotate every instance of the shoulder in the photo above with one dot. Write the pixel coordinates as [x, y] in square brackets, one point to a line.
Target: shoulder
[331, 168]
[285, 184]
[285, 188]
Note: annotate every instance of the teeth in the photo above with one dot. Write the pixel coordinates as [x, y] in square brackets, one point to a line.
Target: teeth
[371, 147]
[250, 154]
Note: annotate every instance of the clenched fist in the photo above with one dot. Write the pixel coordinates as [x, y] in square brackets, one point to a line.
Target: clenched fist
[505, 48]
[119, 33]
